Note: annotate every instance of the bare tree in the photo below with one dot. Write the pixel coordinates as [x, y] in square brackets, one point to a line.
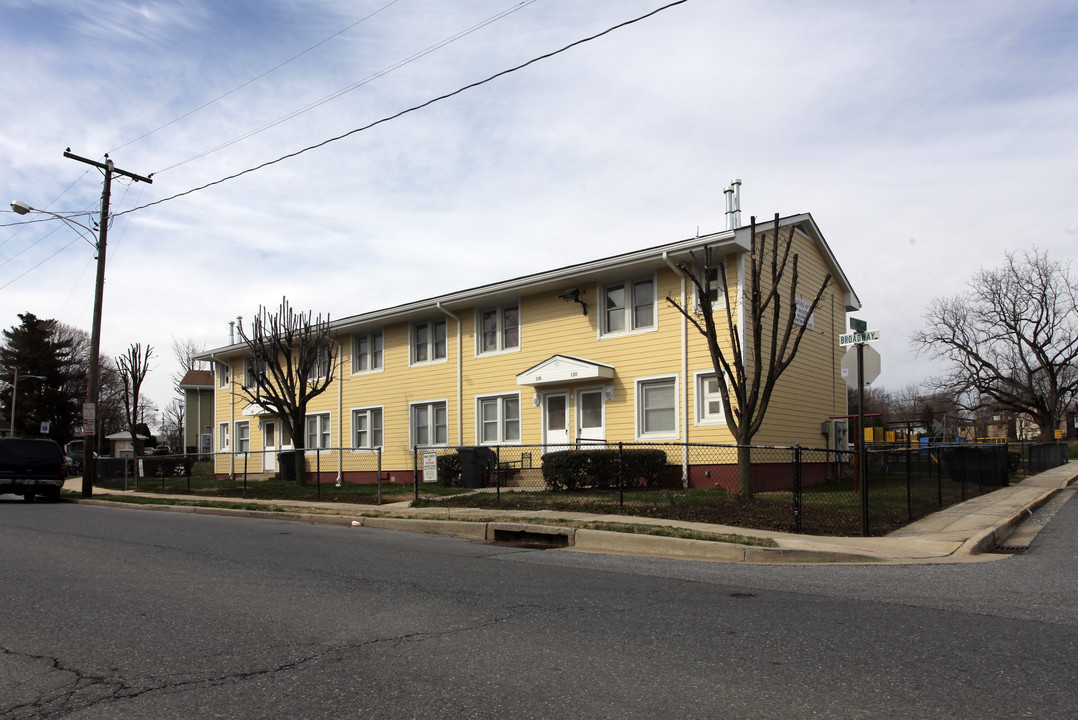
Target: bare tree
[184, 350]
[747, 376]
[1011, 338]
[291, 362]
[172, 424]
[132, 367]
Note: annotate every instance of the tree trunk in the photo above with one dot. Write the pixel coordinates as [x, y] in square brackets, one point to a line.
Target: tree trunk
[299, 456]
[744, 472]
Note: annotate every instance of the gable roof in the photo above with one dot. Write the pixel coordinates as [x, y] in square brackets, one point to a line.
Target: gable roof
[739, 240]
[197, 380]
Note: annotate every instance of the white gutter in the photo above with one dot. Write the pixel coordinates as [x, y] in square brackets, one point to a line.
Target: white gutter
[460, 375]
[684, 373]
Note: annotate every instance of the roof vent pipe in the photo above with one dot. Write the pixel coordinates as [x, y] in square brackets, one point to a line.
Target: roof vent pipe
[231, 332]
[733, 204]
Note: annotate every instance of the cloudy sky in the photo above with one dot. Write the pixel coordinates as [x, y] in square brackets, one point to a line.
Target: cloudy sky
[926, 138]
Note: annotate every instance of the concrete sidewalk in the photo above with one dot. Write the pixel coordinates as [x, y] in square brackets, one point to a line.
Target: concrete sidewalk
[960, 533]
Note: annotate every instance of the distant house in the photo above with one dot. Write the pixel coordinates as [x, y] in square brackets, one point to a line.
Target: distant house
[197, 387]
[124, 443]
[590, 353]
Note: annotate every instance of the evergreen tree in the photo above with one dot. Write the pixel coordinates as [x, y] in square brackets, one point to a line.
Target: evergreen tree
[37, 347]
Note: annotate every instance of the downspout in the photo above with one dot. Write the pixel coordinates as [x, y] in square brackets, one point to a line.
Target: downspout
[460, 375]
[684, 373]
[340, 416]
[231, 414]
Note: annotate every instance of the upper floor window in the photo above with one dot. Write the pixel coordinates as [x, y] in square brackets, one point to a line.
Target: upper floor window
[628, 306]
[499, 419]
[224, 374]
[320, 367]
[366, 352]
[710, 277]
[254, 369]
[367, 427]
[499, 328]
[428, 341]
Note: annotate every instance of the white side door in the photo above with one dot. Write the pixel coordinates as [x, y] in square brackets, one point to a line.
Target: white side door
[556, 420]
[269, 446]
[590, 416]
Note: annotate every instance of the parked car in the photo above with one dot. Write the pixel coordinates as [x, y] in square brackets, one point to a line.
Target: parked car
[74, 462]
[31, 467]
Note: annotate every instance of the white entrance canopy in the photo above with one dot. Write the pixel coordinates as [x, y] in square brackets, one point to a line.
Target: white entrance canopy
[563, 369]
[254, 410]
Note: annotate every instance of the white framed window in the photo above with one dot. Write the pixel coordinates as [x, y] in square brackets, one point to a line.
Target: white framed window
[628, 306]
[428, 341]
[318, 431]
[710, 275]
[321, 366]
[656, 408]
[498, 329]
[801, 314]
[253, 369]
[367, 352]
[222, 438]
[429, 423]
[708, 400]
[367, 427]
[498, 419]
[224, 375]
[243, 436]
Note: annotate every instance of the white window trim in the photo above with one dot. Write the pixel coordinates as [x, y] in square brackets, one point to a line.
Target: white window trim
[352, 417]
[224, 375]
[638, 400]
[412, 343]
[629, 306]
[501, 419]
[698, 400]
[479, 351]
[370, 337]
[411, 421]
[236, 435]
[225, 446]
[327, 431]
[324, 361]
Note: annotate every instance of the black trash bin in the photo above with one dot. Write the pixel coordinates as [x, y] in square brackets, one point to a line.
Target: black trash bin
[475, 465]
[286, 465]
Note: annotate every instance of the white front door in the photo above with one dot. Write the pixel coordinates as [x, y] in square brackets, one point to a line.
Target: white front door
[556, 419]
[269, 446]
[590, 416]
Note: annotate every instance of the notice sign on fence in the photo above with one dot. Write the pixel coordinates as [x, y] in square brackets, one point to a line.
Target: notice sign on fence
[430, 467]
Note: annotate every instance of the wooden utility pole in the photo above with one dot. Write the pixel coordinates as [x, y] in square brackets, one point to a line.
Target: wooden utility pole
[89, 466]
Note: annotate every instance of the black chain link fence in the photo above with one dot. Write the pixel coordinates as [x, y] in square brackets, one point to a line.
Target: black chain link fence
[793, 489]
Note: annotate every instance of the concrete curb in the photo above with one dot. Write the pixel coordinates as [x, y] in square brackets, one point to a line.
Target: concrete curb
[990, 537]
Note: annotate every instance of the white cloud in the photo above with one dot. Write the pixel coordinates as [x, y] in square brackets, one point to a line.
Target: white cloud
[926, 139]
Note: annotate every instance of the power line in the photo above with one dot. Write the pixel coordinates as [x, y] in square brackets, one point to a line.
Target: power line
[412, 109]
[349, 88]
[255, 78]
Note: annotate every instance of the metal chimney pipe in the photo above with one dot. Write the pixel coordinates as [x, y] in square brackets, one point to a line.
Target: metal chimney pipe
[231, 332]
[729, 193]
[735, 186]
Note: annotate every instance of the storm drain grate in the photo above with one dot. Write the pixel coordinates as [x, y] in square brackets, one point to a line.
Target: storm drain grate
[1009, 549]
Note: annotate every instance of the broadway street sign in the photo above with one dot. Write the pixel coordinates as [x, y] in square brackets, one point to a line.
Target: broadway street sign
[857, 338]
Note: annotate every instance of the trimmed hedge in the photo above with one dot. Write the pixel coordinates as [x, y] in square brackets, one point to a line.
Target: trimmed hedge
[576, 469]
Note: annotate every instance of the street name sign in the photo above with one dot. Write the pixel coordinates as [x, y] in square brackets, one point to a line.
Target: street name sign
[856, 338]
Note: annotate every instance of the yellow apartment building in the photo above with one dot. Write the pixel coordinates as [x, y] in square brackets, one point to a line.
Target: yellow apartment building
[589, 353]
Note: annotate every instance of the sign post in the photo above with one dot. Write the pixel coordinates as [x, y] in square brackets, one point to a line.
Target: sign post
[861, 335]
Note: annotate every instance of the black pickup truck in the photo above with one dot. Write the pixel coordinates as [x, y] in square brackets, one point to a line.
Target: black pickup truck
[30, 467]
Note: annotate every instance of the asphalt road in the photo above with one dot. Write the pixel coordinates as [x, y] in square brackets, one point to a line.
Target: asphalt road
[113, 613]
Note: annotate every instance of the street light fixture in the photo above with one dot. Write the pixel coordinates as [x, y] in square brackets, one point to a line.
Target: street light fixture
[22, 208]
[14, 389]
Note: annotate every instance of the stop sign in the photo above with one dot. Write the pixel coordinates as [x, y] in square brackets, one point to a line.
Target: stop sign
[849, 365]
